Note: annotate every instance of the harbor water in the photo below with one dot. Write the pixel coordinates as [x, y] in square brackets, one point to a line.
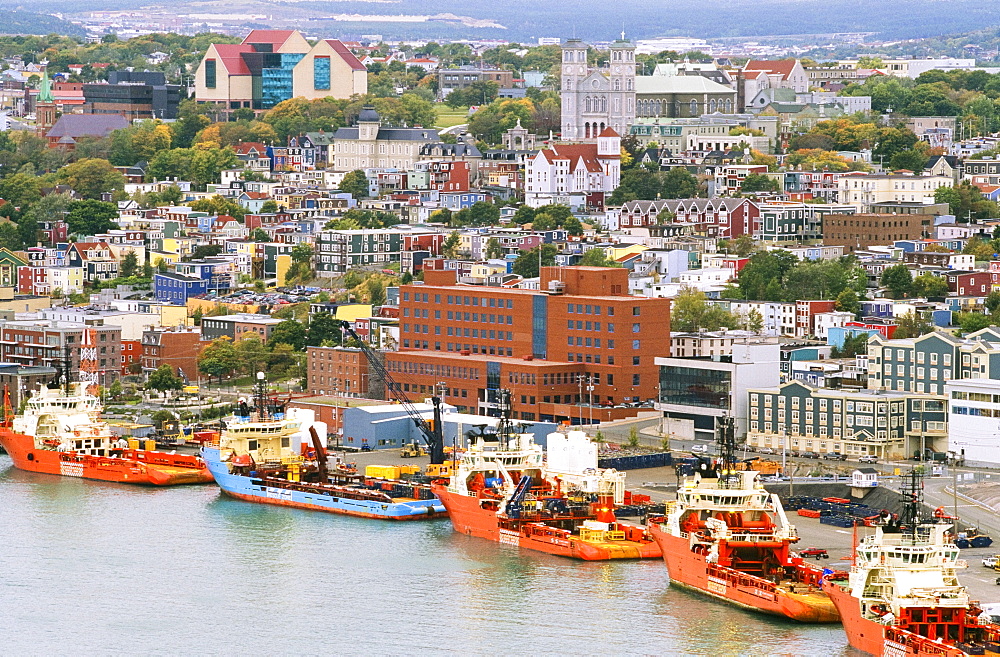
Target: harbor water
[99, 568]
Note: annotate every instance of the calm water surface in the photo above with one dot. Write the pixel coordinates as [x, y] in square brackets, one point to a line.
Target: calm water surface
[97, 568]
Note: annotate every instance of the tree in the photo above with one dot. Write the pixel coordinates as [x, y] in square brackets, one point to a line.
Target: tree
[323, 328]
[219, 358]
[929, 285]
[527, 262]
[493, 249]
[251, 354]
[914, 159]
[761, 278]
[449, 248]
[691, 311]
[218, 206]
[270, 206]
[259, 235]
[161, 417]
[972, 321]
[90, 217]
[912, 325]
[758, 182]
[355, 183]
[596, 258]
[205, 251]
[847, 301]
[965, 201]
[164, 379]
[992, 301]
[979, 248]
[197, 315]
[897, 280]
[92, 177]
[853, 345]
[291, 332]
[742, 245]
[129, 265]
[116, 390]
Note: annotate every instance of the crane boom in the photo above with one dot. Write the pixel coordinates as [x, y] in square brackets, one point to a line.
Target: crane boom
[431, 431]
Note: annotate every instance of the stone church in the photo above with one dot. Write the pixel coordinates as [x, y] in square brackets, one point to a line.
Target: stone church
[597, 98]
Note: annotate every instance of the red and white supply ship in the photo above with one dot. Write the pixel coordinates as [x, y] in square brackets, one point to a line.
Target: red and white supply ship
[61, 432]
[902, 596]
[503, 490]
[727, 537]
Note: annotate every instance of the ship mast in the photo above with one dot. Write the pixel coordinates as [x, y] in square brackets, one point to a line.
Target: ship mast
[726, 440]
[260, 397]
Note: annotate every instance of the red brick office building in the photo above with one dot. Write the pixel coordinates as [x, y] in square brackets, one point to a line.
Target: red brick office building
[546, 346]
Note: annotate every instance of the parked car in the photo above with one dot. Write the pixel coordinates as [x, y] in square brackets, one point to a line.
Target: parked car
[809, 455]
[835, 456]
[698, 448]
[868, 458]
[990, 562]
[766, 450]
[819, 553]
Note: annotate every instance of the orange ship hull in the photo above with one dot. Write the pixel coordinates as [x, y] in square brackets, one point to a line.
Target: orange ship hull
[148, 468]
[690, 570]
[873, 638]
[468, 517]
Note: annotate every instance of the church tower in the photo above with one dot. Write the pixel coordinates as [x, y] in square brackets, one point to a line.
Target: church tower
[621, 74]
[574, 70]
[45, 107]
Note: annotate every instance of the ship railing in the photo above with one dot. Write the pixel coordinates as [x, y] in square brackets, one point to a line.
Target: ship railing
[751, 538]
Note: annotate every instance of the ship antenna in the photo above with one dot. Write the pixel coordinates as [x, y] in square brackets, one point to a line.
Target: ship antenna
[912, 492]
[67, 367]
[260, 395]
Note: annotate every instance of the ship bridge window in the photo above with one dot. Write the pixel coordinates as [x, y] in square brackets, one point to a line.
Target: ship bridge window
[252, 445]
[285, 441]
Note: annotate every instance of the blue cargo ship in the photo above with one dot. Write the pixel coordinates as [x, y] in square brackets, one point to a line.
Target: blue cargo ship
[255, 460]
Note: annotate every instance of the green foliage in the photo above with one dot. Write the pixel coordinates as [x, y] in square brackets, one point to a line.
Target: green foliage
[291, 332]
[129, 265]
[992, 301]
[219, 205]
[897, 280]
[758, 182]
[779, 276]
[976, 246]
[493, 249]
[481, 213]
[259, 235]
[929, 285]
[640, 183]
[449, 248]
[847, 301]
[92, 177]
[252, 354]
[200, 166]
[477, 93]
[691, 311]
[205, 251]
[912, 325]
[323, 328]
[596, 258]
[91, 217]
[527, 262]
[355, 183]
[973, 321]
[853, 345]
[164, 379]
[219, 358]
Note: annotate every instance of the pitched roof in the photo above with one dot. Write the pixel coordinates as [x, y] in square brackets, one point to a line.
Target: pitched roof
[679, 84]
[346, 55]
[575, 153]
[244, 148]
[87, 125]
[231, 55]
[274, 37]
[608, 132]
[783, 67]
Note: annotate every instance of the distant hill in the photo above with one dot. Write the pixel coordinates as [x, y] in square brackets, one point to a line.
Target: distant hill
[26, 22]
[526, 20]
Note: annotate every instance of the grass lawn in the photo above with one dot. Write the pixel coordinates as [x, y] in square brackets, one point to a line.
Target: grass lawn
[448, 116]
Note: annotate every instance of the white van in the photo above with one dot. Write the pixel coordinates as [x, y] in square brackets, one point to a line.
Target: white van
[698, 448]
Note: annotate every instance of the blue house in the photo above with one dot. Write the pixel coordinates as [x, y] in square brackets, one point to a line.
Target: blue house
[177, 288]
[462, 200]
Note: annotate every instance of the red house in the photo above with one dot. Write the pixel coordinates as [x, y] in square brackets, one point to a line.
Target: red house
[970, 283]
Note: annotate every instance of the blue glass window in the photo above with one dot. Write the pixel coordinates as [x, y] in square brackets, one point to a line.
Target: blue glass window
[321, 73]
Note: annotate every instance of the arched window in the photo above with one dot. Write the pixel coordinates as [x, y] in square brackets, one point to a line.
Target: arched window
[729, 106]
[694, 107]
[711, 105]
[602, 129]
[586, 104]
[618, 84]
[628, 84]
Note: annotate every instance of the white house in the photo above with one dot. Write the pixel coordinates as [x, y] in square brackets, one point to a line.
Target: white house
[974, 419]
[577, 175]
[778, 316]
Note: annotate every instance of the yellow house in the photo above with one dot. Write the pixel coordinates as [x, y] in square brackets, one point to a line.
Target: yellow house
[69, 280]
[351, 312]
[166, 256]
[181, 246]
[171, 315]
[620, 250]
